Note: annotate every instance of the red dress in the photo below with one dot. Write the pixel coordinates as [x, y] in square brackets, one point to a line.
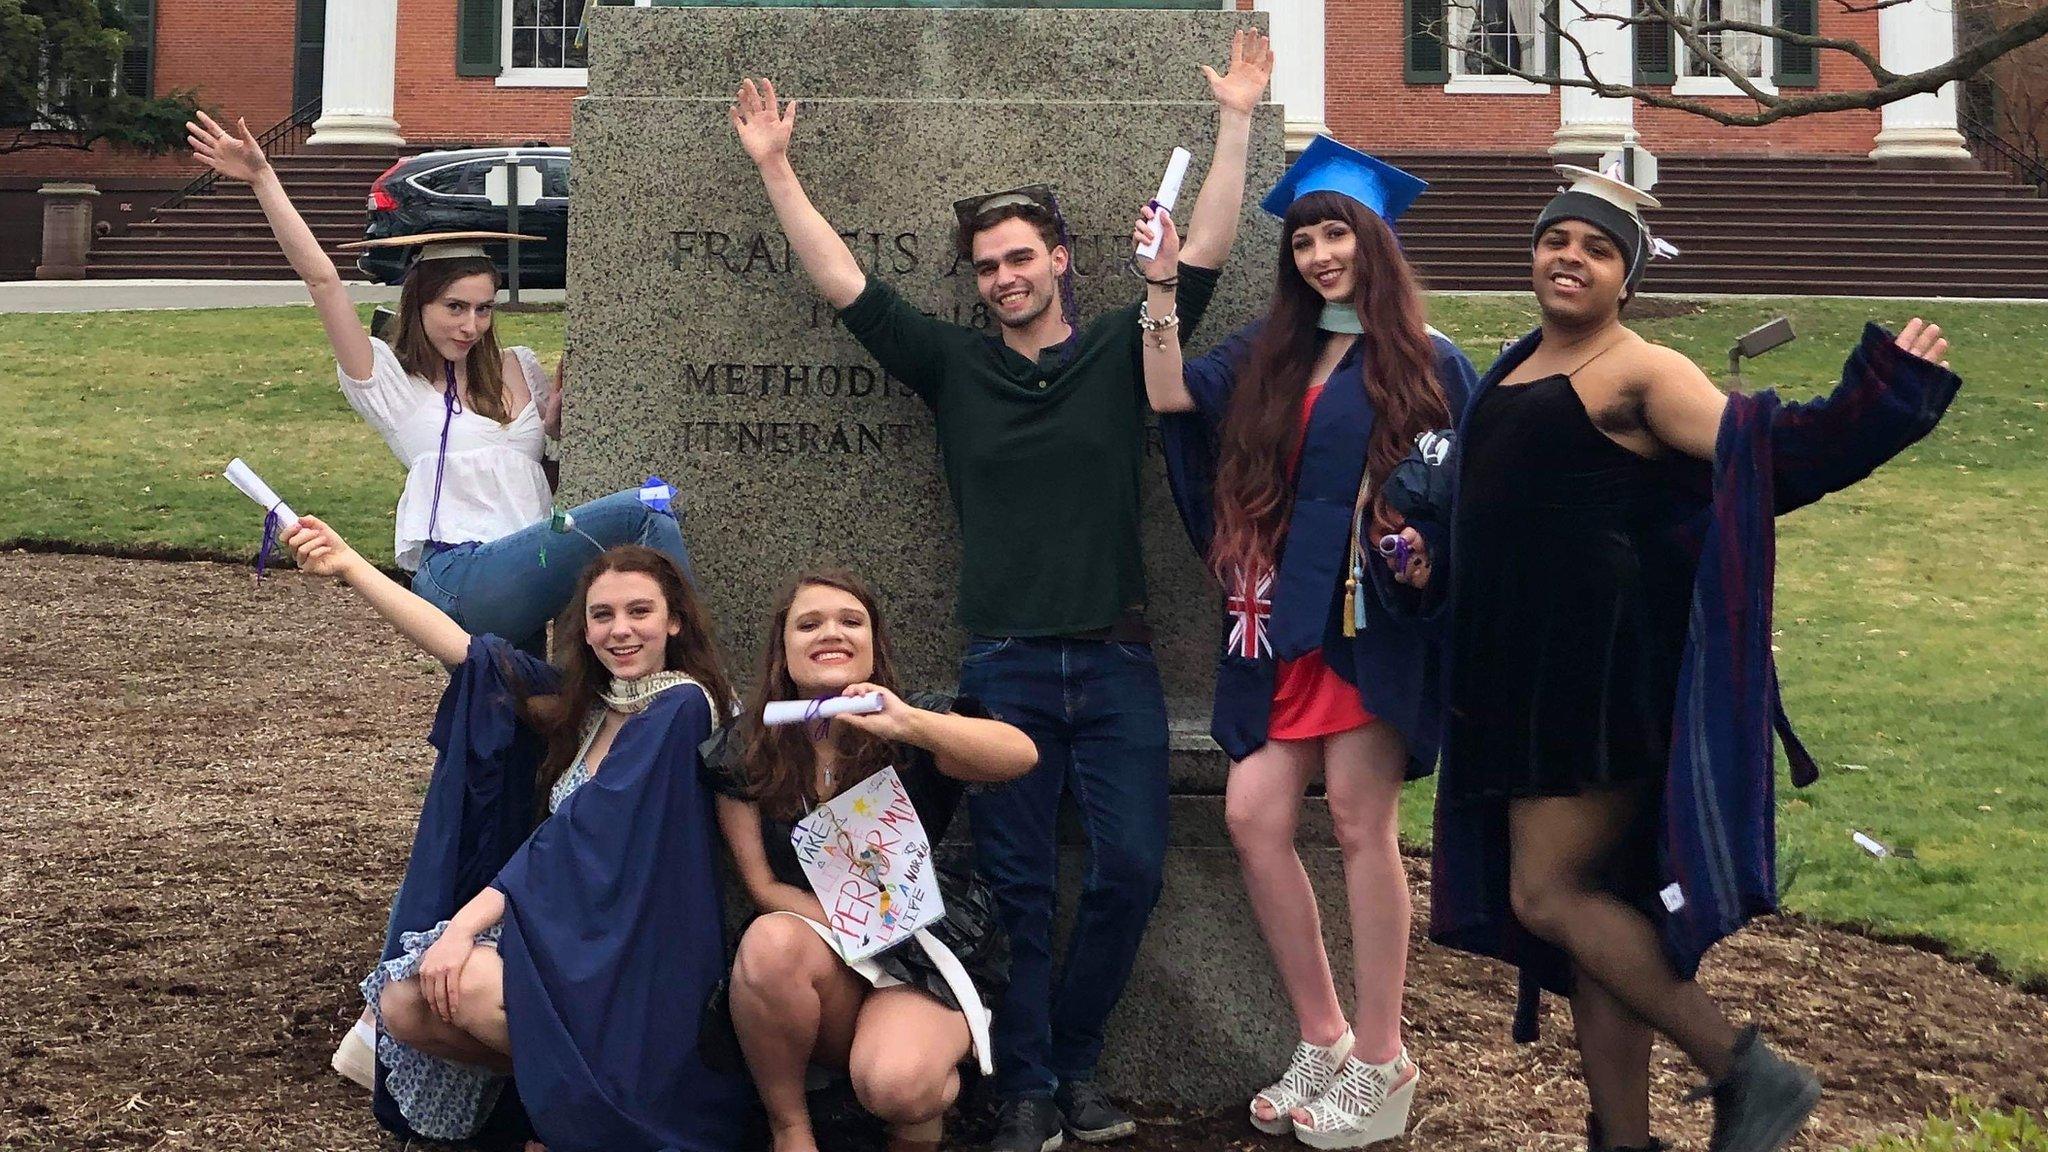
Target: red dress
[1309, 700]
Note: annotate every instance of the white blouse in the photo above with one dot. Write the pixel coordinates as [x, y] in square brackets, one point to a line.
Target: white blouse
[493, 485]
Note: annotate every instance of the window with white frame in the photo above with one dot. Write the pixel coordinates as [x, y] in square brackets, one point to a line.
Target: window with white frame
[542, 34]
[1496, 37]
[1743, 51]
[544, 43]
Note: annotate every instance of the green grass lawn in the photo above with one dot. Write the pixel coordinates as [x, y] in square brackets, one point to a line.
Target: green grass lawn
[1912, 609]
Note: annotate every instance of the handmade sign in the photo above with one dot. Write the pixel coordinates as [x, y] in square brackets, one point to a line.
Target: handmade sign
[869, 861]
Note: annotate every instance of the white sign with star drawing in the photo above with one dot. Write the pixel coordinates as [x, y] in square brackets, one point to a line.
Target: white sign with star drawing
[869, 861]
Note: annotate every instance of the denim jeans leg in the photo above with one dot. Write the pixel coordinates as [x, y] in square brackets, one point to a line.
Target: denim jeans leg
[1118, 775]
[1016, 849]
[514, 585]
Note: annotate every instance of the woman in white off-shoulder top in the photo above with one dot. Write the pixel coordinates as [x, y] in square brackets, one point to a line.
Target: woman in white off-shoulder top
[467, 421]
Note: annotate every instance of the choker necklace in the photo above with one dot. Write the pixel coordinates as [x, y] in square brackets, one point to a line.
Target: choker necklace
[1340, 316]
[630, 696]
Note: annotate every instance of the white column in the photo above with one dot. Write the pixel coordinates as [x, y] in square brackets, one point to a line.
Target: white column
[1913, 37]
[1590, 124]
[1296, 27]
[359, 76]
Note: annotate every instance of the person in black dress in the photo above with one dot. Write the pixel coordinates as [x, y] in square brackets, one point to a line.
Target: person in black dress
[896, 1023]
[1570, 605]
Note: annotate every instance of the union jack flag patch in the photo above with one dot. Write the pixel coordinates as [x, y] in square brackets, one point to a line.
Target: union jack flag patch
[1249, 606]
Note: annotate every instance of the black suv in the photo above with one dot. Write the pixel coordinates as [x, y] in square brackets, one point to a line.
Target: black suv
[444, 192]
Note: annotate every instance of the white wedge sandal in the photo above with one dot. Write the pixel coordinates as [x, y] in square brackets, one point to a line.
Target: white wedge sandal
[1366, 1103]
[1308, 1076]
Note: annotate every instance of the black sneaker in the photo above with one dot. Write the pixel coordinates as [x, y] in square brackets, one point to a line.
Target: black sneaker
[1763, 1101]
[1090, 1117]
[1027, 1124]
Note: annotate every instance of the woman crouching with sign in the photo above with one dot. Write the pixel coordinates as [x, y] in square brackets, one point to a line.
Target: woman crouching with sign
[820, 805]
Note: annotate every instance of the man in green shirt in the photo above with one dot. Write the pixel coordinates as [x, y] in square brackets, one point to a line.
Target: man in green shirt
[1041, 430]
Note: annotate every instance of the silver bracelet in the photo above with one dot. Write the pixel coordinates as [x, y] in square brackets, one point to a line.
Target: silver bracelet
[1148, 323]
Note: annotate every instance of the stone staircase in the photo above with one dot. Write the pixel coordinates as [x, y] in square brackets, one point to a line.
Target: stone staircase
[220, 233]
[1793, 226]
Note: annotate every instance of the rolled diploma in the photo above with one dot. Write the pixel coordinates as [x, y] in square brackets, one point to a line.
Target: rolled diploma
[798, 711]
[1169, 191]
[252, 486]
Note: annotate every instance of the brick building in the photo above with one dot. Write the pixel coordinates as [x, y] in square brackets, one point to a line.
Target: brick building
[1392, 76]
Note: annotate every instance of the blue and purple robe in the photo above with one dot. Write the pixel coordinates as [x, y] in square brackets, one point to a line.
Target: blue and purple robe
[613, 935]
[1717, 837]
[1393, 661]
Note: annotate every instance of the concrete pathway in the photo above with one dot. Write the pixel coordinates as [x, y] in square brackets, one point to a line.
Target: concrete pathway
[142, 295]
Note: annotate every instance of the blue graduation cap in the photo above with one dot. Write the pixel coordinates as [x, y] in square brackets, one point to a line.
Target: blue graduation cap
[1327, 166]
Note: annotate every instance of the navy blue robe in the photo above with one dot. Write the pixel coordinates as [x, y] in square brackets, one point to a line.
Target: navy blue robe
[613, 930]
[1393, 661]
[1717, 842]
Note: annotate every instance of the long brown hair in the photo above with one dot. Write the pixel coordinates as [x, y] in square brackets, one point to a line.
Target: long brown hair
[780, 762]
[692, 651]
[484, 372]
[1254, 485]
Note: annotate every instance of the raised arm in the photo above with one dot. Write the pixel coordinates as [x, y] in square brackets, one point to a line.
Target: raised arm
[1680, 405]
[1166, 388]
[237, 156]
[322, 552]
[764, 130]
[1212, 229]
[966, 747]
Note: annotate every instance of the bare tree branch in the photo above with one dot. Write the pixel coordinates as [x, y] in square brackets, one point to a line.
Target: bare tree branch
[1887, 86]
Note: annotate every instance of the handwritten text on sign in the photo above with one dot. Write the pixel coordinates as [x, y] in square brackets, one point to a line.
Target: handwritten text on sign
[869, 861]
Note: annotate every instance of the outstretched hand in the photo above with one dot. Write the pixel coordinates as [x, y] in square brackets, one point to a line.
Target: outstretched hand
[235, 155]
[1925, 341]
[892, 723]
[320, 550]
[764, 127]
[1251, 66]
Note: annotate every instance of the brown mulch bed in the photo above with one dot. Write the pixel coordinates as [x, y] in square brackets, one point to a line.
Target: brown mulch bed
[210, 793]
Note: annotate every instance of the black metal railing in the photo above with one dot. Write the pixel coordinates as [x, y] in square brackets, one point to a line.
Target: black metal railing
[2024, 160]
[281, 139]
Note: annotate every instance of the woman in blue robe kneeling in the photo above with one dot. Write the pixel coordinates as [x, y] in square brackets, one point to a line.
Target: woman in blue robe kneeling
[574, 957]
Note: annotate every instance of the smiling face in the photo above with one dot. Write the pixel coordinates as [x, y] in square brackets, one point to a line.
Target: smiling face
[627, 623]
[1578, 273]
[1017, 275]
[828, 640]
[458, 318]
[1325, 253]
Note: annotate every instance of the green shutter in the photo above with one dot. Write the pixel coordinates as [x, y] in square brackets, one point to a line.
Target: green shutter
[477, 23]
[1552, 42]
[1427, 61]
[138, 57]
[1798, 65]
[1656, 61]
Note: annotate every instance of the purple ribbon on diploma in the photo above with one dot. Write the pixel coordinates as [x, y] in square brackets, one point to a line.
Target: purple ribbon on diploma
[1397, 549]
[269, 541]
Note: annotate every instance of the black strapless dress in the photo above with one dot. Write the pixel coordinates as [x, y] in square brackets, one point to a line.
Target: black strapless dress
[1571, 603]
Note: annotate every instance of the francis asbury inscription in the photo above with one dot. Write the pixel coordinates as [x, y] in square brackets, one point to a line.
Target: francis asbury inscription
[702, 353]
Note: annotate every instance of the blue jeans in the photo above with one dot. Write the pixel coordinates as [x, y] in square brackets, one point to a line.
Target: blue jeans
[1098, 715]
[502, 588]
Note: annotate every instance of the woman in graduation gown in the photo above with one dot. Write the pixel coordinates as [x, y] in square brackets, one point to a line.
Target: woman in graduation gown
[1289, 428]
[1603, 554]
[901, 1023]
[575, 956]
